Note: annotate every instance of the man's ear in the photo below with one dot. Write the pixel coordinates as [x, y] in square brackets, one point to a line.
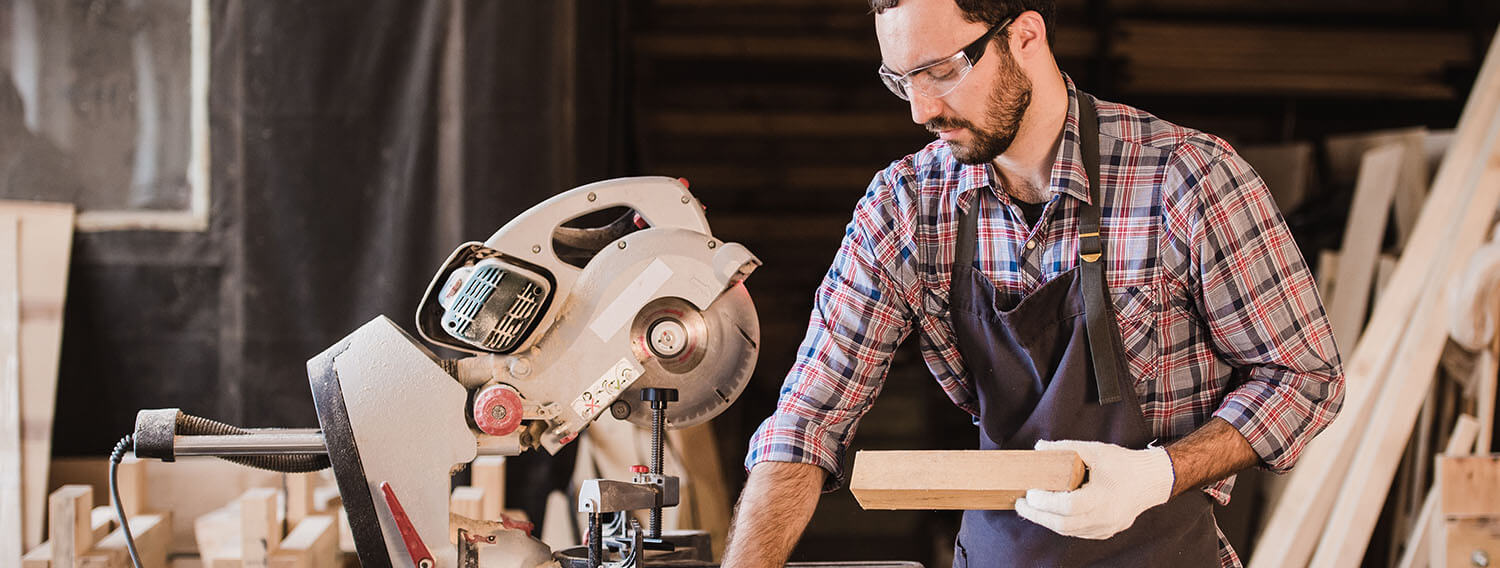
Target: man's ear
[1028, 35]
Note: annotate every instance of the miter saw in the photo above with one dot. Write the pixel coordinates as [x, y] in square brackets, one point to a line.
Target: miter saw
[611, 297]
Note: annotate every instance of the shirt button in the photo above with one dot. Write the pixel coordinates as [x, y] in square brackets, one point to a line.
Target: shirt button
[1030, 245]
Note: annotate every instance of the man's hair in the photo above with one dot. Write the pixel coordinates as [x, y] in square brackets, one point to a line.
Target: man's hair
[991, 12]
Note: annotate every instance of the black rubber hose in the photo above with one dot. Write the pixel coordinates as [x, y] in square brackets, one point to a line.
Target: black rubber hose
[188, 425]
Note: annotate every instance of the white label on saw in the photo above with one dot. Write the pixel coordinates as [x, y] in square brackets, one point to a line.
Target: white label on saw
[630, 300]
[605, 390]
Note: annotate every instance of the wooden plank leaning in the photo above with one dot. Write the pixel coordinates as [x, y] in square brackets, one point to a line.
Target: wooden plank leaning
[1298, 516]
[1379, 170]
[1352, 521]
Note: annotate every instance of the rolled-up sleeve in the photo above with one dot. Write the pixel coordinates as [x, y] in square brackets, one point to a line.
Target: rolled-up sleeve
[858, 319]
[1263, 314]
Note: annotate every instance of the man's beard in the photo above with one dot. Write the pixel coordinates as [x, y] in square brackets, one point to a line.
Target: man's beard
[1007, 105]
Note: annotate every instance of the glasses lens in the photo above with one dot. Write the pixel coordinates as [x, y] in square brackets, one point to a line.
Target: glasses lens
[940, 79]
[893, 83]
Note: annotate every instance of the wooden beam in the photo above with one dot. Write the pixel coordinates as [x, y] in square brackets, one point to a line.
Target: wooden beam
[1461, 442]
[68, 524]
[959, 479]
[12, 547]
[46, 244]
[314, 543]
[260, 529]
[1345, 154]
[1302, 511]
[467, 501]
[299, 497]
[488, 473]
[153, 535]
[132, 480]
[1469, 502]
[1378, 173]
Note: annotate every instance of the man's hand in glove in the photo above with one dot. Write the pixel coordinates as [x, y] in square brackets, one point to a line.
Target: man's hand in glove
[1122, 483]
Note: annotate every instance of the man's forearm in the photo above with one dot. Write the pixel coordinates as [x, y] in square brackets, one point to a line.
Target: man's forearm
[778, 501]
[1212, 452]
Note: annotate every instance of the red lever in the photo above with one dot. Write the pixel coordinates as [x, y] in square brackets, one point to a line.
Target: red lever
[414, 547]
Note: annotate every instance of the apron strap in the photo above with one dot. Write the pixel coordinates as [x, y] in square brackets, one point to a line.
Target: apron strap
[1104, 334]
[1105, 346]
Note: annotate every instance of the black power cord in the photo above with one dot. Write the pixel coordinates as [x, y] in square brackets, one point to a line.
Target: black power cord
[114, 493]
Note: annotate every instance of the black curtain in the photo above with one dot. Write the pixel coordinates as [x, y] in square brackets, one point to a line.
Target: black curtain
[354, 144]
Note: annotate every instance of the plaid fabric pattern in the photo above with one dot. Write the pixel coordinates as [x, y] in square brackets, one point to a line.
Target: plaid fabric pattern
[1217, 309]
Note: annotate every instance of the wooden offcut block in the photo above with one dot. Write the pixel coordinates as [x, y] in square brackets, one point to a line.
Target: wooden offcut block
[153, 535]
[69, 519]
[488, 473]
[960, 479]
[314, 543]
[468, 502]
[1470, 485]
[260, 527]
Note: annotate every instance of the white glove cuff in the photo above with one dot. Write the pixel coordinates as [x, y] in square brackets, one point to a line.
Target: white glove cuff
[1157, 477]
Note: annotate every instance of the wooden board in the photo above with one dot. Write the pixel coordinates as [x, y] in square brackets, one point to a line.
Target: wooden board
[959, 479]
[1345, 154]
[299, 496]
[1378, 173]
[314, 543]
[1471, 485]
[1466, 537]
[46, 244]
[68, 524]
[1461, 442]
[488, 473]
[260, 529]
[1352, 520]
[1298, 517]
[12, 547]
[467, 501]
[153, 535]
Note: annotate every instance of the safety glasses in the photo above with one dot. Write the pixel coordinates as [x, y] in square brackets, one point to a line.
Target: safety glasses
[940, 78]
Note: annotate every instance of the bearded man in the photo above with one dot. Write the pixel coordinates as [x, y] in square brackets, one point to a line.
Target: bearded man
[1082, 275]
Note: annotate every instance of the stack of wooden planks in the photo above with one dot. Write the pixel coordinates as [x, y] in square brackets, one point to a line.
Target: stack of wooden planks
[1328, 509]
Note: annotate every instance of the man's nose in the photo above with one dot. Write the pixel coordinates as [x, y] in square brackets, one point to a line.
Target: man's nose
[924, 108]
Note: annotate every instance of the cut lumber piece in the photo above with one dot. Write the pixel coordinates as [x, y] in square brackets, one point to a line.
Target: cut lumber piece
[467, 501]
[68, 524]
[299, 497]
[314, 543]
[1298, 516]
[1383, 271]
[1469, 502]
[1461, 442]
[260, 529]
[959, 479]
[1471, 485]
[488, 473]
[1345, 153]
[46, 243]
[1353, 518]
[101, 521]
[1328, 269]
[38, 557]
[132, 481]
[1378, 173]
[153, 535]
[12, 547]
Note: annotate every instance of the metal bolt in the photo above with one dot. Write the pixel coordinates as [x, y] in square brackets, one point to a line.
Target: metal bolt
[622, 244]
[1480, 558]
[425, 563]
[620, 410]
[713, 244]
[536, 248]
[592, 196]
[684, 199]
[498, 412]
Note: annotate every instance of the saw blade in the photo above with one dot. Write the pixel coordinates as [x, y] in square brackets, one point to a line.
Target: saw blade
[708, 356]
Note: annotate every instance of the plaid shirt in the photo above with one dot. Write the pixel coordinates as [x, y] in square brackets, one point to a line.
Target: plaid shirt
[1216, 308]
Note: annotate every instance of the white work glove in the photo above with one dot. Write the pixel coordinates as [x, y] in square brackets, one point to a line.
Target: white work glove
[1122, 483]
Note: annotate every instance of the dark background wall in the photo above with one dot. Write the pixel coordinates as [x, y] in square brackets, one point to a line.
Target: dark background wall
[355, 143]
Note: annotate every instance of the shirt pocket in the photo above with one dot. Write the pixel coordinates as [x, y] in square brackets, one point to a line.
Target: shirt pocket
[1136, 313]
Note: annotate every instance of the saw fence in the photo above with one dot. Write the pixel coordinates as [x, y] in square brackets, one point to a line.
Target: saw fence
[1420, 369]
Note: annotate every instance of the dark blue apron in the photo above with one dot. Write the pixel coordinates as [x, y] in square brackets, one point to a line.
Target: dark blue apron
[1047, 366]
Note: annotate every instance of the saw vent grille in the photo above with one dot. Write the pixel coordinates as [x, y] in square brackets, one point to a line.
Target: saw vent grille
[507, 332]
[476, 292]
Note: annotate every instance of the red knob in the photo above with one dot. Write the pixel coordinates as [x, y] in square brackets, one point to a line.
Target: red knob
[497, 410]
[639, 469]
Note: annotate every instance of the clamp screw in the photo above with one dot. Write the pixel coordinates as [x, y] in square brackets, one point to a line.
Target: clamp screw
[592, 196]
[622, 244]
[713, 244]
[1479, 558]
[536, 248]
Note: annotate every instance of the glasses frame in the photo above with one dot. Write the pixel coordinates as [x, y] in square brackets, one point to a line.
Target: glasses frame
[900, 84]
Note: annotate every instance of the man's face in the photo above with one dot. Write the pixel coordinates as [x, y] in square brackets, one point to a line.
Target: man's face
[980, 117]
